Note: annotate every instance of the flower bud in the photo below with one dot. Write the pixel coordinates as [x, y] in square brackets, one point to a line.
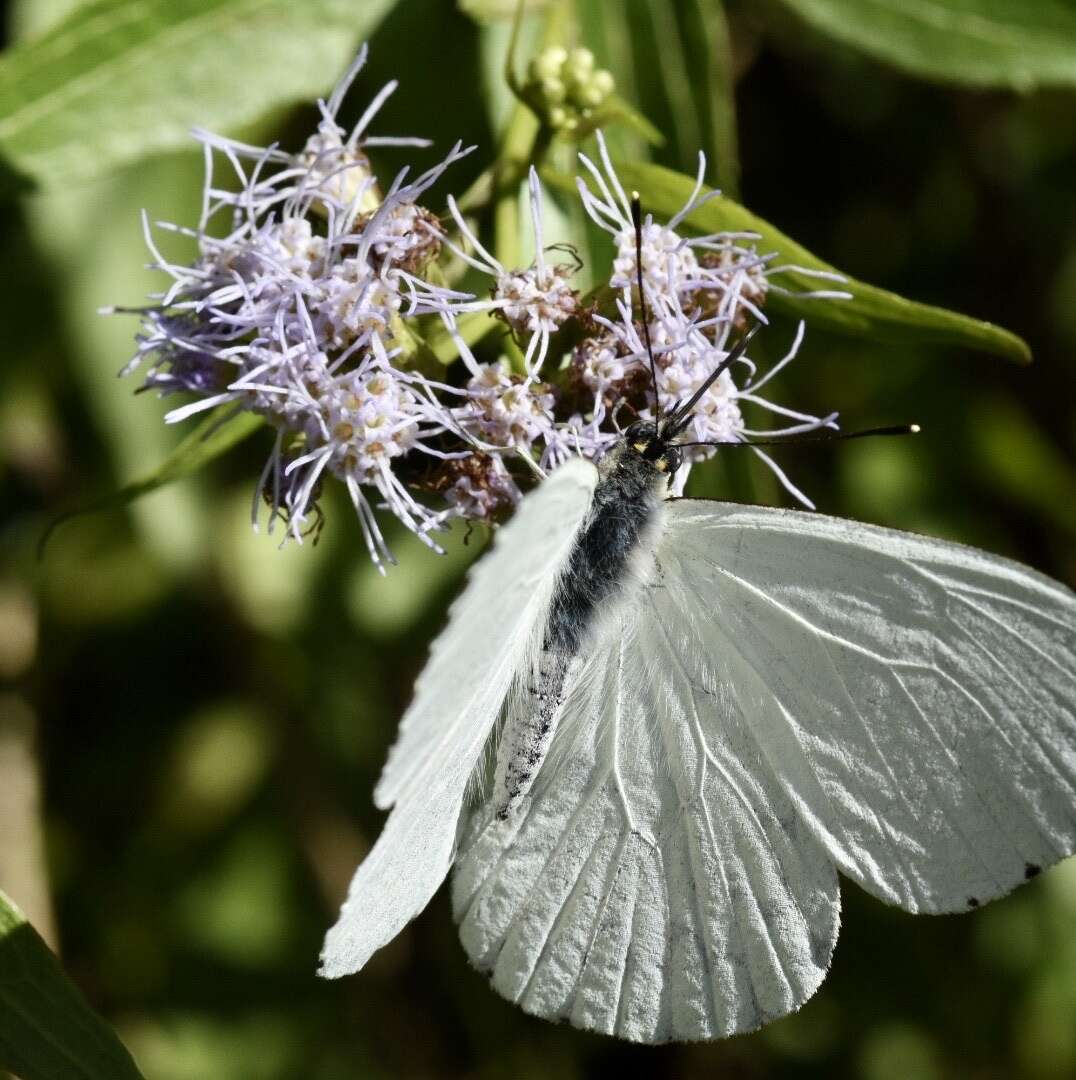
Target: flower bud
[554, 90]
[548, 64]
[564, 88]
[602, 82]
[581, 63]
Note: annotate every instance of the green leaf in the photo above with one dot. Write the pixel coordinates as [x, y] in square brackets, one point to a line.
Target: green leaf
[872, 313]
[617, 110]
[672, 58]
[719, 101]
[120, 79]
[491, 11]
[215, 435]
[47, 1031]
[1014, 43]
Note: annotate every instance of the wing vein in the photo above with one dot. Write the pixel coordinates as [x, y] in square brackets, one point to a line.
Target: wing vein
[1031, 733]
[1010, 632]
[883, 826]
[629, 953]
[568, 907]
[614, 764]
[948, 754]
[690, 814]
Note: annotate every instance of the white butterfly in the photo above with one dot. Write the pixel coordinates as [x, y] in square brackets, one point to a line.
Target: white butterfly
[732, 704]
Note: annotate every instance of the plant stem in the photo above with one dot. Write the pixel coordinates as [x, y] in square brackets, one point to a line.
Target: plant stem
[723, 102]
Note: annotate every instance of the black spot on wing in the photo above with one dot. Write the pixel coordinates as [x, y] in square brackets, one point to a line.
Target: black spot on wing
[1031, 870]
[973, 902]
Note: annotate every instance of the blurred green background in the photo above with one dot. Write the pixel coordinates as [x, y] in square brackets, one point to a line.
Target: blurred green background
[210, 712]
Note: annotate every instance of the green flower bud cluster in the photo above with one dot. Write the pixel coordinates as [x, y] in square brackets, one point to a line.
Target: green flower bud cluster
[565, 88]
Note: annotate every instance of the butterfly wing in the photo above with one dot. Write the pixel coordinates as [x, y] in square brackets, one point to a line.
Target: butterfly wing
[657, 882]
[785, 691]
[457, 699]
[916, 698]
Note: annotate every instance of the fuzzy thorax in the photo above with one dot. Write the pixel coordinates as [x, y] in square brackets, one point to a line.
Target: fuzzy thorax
[612, 539]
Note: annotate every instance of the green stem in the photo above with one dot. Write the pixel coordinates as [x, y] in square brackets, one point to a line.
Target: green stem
[525, 141]
[510, 57]
[723, 101]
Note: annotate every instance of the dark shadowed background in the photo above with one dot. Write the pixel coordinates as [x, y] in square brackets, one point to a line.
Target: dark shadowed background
[211, 712]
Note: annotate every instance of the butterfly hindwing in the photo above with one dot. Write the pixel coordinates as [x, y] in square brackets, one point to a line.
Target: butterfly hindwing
[657, 883]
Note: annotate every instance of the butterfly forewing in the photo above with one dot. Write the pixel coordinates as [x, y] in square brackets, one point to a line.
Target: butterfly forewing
[491, 630]
[915, 697]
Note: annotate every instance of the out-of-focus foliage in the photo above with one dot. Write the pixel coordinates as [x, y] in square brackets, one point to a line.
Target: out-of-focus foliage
[217, 433]
[869, 313]
[212, 711]
[674, 62]
[1017, 43]
[121, 79]
[46, 1028]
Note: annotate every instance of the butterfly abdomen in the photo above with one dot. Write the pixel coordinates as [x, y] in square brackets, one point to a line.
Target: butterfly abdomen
[527, 734]
[624, 508]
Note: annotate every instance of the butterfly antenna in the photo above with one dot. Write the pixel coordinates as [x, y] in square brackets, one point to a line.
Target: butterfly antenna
[681, 417]
[818, 436]
[637, 219]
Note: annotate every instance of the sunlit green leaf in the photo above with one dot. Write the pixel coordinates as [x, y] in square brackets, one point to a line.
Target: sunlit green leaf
[214, 436]
[1017, 43]
[872, 313]
[487, 11]
[120, 79]
[29, 18]
[47, 1031]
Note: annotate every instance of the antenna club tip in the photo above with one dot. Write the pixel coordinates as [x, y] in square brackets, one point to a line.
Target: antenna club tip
[635, 196]
[914, 429]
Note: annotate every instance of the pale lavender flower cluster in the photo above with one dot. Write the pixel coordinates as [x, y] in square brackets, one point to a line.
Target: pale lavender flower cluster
[701, 292]
[300, 307]
[298, 313]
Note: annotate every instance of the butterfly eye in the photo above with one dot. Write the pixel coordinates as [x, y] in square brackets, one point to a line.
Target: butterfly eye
[641, 433]
[666, 459]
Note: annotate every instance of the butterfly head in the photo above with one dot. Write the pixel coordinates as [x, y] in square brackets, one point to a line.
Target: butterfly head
[649, 441]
